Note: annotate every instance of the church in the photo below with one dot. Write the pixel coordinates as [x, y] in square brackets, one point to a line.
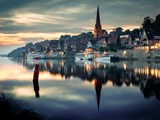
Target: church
[100, 35]
[98, 27]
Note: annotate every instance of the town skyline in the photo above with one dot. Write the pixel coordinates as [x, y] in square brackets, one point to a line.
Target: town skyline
[33, 21]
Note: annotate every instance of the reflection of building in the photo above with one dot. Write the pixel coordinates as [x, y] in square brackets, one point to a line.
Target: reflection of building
[150, 88]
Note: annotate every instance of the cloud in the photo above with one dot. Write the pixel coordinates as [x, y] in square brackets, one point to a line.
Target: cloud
[34, 18]
[7, 6]
[56, 17]
[63, 14]
[22, 38]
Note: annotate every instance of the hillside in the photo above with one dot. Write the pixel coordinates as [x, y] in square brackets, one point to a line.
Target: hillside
[39, 46]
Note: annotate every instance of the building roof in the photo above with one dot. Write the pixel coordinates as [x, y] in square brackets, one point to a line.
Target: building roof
[113, 38]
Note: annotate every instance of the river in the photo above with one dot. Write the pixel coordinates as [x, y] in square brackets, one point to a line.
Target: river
[84, 90]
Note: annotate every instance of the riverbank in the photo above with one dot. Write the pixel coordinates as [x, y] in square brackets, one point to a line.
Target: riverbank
[12, 109]
[138, 55]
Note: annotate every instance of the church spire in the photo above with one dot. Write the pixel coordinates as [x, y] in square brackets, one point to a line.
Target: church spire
[97, 28]
[98, 22]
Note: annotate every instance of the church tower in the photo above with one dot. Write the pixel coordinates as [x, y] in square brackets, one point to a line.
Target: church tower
[97, 28]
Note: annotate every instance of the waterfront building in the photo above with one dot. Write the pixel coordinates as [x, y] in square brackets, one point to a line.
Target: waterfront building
[126, 40]
[113, 38]
[59, 46]
[101, 43]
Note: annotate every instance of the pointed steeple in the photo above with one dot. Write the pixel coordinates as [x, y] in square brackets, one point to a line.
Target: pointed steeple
[98, 22]
[97, 28]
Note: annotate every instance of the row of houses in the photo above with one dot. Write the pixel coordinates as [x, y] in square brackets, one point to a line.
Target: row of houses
[78, 45]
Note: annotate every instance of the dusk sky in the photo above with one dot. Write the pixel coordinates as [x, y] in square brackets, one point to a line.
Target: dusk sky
[23, 21]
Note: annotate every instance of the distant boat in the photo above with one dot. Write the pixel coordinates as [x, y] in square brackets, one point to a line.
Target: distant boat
[32, 55]
[38, 56]
[44, 55]
[84, 56]
[104, 58]
[53, 55]
[96, 56]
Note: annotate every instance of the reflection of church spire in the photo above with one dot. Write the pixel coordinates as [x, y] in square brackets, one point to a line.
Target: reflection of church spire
[98, 87]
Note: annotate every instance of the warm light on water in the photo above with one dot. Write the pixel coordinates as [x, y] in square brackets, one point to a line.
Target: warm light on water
[148, 71]
[20, 73]
[15, 72]
[47, 76]
[84, 90]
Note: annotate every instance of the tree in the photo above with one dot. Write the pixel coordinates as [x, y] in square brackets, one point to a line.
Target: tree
[157, 20]
[104, 32]
[119, 30]
[157, 25]
[135, 32]
[126, 32]
[148, 27]
[118, 42]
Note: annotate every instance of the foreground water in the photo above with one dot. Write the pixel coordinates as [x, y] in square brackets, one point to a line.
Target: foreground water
[69, 90]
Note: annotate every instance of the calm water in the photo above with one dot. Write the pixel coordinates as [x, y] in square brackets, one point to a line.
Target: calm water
[69, 90]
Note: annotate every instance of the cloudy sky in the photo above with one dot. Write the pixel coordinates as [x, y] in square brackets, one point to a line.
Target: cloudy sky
[23, 21]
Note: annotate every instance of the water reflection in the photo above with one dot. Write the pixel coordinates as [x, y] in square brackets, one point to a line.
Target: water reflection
[143, 75]
[36, 88]
[85, 90]
[98, 87]
[146, 76]
[150, 88]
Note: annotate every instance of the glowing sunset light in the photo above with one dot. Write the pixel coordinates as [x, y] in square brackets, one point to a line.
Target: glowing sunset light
[110, 28]
[20, 38]
[23, 91]
[109, 84]
[47, 76]
[130, 27]
[20, 73]
[10, 40]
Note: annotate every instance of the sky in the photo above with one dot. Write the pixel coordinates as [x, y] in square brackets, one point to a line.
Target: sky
[24, 21]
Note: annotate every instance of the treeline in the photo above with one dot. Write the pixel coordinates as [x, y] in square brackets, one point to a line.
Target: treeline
[133, 33]
[151, 26]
